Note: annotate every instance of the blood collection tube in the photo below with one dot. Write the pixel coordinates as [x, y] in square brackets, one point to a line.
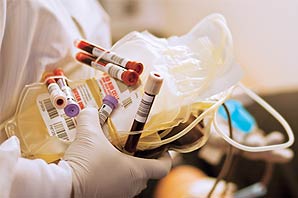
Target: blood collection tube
[109, 56]
[72, 108]
[129, 77]
[109, 104]
[57, 96]
[151, 89]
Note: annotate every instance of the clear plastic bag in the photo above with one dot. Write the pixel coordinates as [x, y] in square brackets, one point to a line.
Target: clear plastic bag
[198, 70]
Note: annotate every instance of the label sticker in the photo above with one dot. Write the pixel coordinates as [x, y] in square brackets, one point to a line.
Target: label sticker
[57, 123]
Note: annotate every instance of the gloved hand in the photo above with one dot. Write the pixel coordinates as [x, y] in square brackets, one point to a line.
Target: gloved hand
[92, 167]
[100, 170]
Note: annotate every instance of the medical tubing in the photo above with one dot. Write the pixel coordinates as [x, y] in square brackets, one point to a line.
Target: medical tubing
[258, 189]
[273, 112]
[268, 173]
[151, 89]
[128, 77]
[229, 158]
[214, 107]
[109, 56]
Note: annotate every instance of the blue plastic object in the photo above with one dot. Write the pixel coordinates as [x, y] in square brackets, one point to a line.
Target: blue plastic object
[241, 118]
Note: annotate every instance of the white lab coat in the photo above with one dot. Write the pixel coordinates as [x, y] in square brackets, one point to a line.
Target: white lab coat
[37, 36]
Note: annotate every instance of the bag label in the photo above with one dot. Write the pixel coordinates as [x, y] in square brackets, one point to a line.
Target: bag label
[56, 121]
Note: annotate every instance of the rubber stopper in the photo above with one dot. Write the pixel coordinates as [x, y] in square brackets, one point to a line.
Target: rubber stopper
[72, 109]
[137, 67]
[153, 83]
[130, 77]
[111, 101]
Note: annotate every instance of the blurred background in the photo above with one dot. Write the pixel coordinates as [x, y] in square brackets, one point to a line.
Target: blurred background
[265, 35]
[264, 32]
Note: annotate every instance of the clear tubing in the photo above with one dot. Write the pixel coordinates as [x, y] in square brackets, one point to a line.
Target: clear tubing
[270, 110]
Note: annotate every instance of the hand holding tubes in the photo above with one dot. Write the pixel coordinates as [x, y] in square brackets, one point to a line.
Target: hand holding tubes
[113, 174]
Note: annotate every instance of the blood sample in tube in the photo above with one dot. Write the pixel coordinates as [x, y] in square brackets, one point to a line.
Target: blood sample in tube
[129, 77]
[72, 108]
[57, 96]
[109, 56]
[109, 104]
[151, 89]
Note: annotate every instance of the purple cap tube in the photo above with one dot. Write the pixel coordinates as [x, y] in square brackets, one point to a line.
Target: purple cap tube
[109, 104]
[72, 108]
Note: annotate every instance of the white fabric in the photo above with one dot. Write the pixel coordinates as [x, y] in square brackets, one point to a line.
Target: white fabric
[31, 178]
[100, 170]
[37, 36]
[9, 153]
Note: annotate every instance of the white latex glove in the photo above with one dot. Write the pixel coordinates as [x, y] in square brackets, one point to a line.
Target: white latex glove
[100, 170]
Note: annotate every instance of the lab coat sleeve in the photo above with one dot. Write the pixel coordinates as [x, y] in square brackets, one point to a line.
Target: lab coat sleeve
[2, 19]
[36, 178]
[21, 177]
[9, 152]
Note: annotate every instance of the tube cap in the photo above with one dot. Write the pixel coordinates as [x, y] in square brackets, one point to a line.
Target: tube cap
[137, 67]
[72, 109]
[111, 101]
[59, 72]
[130, 77]
[59, 101]
[153, 83]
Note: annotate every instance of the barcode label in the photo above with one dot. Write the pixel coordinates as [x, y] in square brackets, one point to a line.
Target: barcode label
[55, 120]
[126, 102]
[104, 112]
[69, 122]
[51, 110]
[60, 131]
[144, 108]
[116, 59]
[115, 71]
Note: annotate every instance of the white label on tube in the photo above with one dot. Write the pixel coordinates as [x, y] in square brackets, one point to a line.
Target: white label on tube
[114, 70]
[104, 112]
[144, 108]
[55, 92]
[110, 56]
